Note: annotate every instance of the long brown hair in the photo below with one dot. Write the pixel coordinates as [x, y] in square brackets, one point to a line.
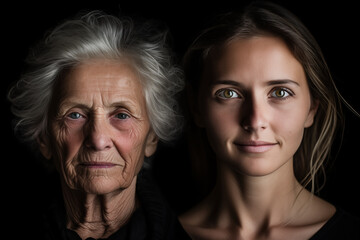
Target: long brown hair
[266, 18]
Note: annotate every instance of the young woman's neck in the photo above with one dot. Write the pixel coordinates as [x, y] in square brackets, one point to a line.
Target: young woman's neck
[98, 216]
[258, 201]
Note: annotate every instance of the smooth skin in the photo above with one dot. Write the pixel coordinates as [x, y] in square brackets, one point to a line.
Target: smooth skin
[99, 136]
[254, 104]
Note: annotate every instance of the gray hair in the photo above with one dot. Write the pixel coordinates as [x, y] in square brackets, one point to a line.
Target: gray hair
[97, 35]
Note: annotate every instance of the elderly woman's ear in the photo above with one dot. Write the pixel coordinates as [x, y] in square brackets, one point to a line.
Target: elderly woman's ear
[44, 147]
[151, 143]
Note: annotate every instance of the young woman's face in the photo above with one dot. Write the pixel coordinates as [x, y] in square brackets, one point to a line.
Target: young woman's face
[254, 104]
[101, 132]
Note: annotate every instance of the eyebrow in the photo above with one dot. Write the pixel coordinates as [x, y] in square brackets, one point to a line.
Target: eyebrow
[117, 104]
[282, 81]
[125, 103]
[71, 104]
[269, 83]
[226, 82]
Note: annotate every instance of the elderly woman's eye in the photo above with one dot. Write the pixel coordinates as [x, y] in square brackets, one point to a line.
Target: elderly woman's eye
[226, 93]
[122, 116]
[74, 115]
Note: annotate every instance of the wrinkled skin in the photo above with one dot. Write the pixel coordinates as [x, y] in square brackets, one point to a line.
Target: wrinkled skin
[99, 136]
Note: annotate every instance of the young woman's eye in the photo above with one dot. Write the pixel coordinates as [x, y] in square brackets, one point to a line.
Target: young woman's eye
[281, 93]
[74, 115]
[226, 93]
[122, 116]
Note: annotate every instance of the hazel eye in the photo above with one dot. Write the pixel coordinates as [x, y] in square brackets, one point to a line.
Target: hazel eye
[226, 93]
[281, 93]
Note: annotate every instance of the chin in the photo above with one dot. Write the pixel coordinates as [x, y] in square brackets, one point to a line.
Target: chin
[254, 167]
[256, 172]
[104, 185]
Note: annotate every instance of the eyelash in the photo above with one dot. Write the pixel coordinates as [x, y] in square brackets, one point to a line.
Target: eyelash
[125, 115]
[220, 93]
[76, 115]
[79, 115]
[286, 90]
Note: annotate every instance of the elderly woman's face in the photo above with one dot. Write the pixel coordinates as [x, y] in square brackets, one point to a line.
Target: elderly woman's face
[101, 131]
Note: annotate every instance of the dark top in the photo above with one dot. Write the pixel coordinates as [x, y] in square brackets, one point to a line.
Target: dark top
[341, 226]
[153, 220]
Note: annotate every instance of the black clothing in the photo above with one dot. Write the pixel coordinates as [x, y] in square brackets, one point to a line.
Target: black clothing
[153, 220]
[341, 226]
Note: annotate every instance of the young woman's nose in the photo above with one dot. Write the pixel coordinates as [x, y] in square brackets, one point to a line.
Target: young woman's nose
[253, 115]
[98, 134]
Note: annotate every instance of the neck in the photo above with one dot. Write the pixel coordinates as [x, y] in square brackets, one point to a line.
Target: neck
[255, 202]
[98, 216]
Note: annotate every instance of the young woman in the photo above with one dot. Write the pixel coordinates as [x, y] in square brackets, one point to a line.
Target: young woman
[260, 89]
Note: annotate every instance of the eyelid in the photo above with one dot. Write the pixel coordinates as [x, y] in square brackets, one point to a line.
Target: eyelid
[219, 91]
[127, 116]
[66, 109]
[121, 110]
[79, 111]
[289, 91]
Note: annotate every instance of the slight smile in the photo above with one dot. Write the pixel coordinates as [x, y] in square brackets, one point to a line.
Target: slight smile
[255, 146]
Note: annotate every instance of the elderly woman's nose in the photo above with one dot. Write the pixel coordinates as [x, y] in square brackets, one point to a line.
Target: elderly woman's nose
[98, 136]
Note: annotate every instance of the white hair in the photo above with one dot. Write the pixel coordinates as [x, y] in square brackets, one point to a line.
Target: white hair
[98, 35]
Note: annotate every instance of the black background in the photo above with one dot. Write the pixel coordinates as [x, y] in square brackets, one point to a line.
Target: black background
[26, 186]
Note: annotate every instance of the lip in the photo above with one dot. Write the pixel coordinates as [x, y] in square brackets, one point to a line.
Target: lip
[255, 146]
[98, 165]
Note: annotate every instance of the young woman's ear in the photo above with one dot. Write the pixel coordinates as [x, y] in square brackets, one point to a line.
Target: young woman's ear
[44, 147]
[312, 112]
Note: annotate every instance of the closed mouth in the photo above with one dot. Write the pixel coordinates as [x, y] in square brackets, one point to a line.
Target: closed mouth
[255, 146]
[98, 165]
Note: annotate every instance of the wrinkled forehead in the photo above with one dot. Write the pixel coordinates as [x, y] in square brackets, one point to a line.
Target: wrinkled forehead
[105, 81]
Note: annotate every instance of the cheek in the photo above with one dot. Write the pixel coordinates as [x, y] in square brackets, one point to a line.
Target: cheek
[130, 144]
[66, 145]
[71, 140]
[289, 126]
[221, 123]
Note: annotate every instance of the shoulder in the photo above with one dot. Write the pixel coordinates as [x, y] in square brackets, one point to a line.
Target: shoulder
[200, 222]
[342, 225]
[162, 221]
[198, 215]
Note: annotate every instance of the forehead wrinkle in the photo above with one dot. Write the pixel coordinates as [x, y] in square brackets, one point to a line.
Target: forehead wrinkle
[132, 99]
[127, 104]
[109, 86]
[104, 91]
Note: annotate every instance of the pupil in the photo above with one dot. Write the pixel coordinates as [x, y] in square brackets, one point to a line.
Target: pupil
[74, 115]
[280, 93]
[122, 115]
[228, 93]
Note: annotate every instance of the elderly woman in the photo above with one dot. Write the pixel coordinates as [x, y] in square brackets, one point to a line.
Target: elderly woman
[99, 94]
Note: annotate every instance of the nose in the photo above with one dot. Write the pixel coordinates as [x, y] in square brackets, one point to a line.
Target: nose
[253, 115]
[98, 134]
